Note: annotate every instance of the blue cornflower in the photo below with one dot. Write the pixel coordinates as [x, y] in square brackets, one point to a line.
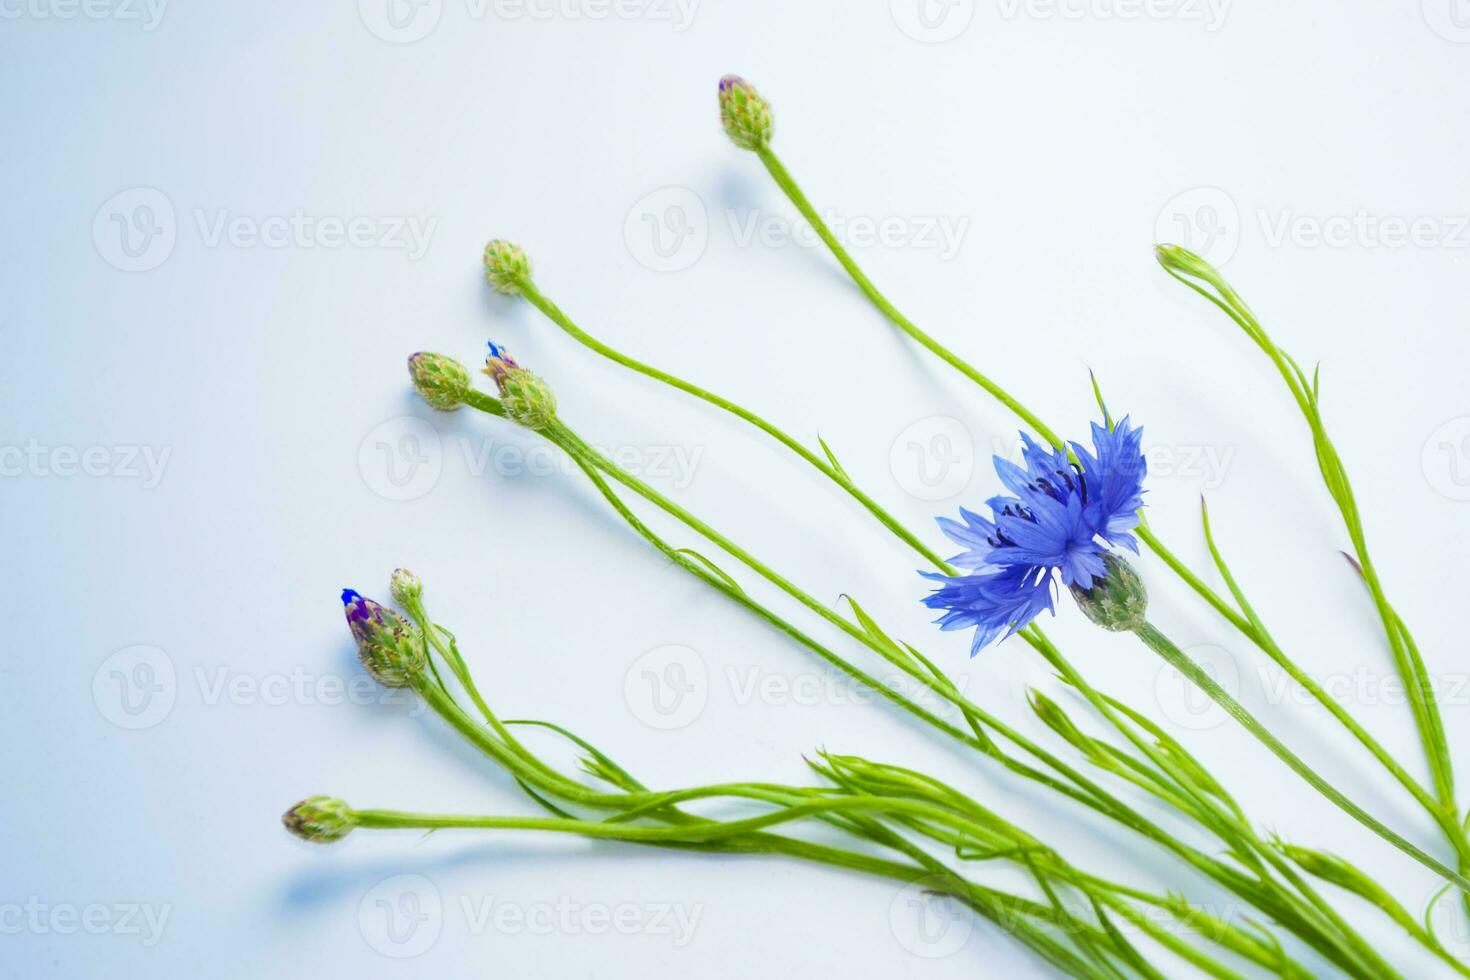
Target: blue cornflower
[1064, 515]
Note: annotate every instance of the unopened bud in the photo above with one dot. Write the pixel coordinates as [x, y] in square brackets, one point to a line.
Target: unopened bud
[507, 267]
[387, 644]
[527, 399]
[744, 113]
[441, 381]
[405, 587]
[320, 819]
[1177, 258]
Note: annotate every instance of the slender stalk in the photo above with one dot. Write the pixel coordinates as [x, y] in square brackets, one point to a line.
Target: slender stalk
[1176, 658]
[857, 633]
[1410, 665]
[788, 186]
[1192, 270]
[832, 472]
[1319, 934]
[796, 804]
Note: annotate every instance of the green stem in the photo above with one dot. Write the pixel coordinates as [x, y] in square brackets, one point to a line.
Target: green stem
[1410, 666]
[832, 472]
[1097, 798]
[1180, 661]
[788, 186]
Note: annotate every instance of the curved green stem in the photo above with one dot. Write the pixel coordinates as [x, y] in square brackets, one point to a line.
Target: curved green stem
[1177, 659]
[793, 192]
[1406, 655]
[832, 472]
[1318, 934]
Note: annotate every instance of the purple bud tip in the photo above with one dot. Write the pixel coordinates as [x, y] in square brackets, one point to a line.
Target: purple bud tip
[730, 81]
[349, 596]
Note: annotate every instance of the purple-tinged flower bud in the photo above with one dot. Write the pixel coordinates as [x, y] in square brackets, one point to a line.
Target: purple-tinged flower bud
[441, 381]
[507, 267]
[405, 587]
[388, 645]
[744, 113]
[320, 819]
[528, 400]
[1117, 601]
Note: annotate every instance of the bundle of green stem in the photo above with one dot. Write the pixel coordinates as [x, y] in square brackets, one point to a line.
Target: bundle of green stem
[909, 814]
[891, 822]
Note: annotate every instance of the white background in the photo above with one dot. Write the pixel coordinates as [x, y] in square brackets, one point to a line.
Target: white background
[266, 380]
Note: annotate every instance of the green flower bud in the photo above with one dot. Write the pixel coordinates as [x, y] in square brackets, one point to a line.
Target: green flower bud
[388, 645]
[744, 113]
[441, 381]
[527, 399]
[405, 587]
[507, 266]
[1118, 600]
[320, 819]
[1177, 258]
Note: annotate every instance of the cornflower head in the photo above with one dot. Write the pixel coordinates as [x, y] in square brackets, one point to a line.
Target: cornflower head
[527, 399]
[1063, 515]
[441, 381]
[388, 645]
[744, 113]
[507, 266]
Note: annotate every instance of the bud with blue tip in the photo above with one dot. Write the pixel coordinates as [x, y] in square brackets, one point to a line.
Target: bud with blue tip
[527, 399]
[388, 645]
